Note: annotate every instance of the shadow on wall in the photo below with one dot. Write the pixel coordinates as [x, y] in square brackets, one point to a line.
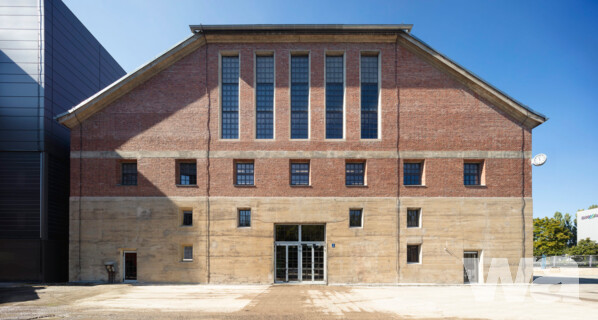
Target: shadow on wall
[21, 111]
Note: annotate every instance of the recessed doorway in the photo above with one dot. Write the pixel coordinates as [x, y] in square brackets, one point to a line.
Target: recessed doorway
[130, 266]
[300, 253]
[471, 264]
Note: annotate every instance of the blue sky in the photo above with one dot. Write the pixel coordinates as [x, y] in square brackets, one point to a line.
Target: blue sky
[539, 52]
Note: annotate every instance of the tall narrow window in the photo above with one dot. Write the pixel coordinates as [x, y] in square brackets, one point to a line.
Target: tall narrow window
[230, 97]
[299, 173]
[412, 173]
[299, 97]
[264, 97]
[472, 174]
[187, 173]
[369, 97]
[129, 174]
[355, 173]
[244, 173]
[334, 97]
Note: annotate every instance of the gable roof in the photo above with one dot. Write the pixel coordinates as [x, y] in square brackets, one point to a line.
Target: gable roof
[300, 33]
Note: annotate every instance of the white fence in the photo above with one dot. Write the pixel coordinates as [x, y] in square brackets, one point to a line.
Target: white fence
[566, 261]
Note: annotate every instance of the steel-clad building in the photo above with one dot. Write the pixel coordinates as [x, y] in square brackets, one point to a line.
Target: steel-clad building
[49, 62]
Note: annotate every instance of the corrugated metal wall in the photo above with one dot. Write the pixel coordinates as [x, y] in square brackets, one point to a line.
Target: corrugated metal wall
[21, 76]
[49, 62]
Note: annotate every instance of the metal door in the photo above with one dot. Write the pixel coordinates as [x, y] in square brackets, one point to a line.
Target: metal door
[130, 266]
[470, 267]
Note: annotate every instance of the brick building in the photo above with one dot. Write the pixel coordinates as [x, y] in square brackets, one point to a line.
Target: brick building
[312, 153]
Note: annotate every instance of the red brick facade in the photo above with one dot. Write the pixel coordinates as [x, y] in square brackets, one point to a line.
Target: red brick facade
[169, 112]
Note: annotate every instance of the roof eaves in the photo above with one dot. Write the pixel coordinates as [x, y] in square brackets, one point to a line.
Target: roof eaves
[302, 28]
[119, 87]
[528, 112]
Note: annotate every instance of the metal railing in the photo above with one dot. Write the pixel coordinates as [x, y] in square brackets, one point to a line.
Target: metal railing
[566, 261]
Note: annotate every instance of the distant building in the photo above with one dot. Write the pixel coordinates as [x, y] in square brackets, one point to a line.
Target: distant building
[587, 224]
[49, 62]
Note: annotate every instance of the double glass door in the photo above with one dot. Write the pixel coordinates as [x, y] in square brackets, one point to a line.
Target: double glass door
[300, 252]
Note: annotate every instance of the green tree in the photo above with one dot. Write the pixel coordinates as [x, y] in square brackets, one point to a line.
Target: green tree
[550, 236]
[571, 224]
[594, 206]
[559, 217]
[584, 247]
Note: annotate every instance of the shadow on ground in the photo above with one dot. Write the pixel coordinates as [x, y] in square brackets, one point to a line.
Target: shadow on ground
[19, 293]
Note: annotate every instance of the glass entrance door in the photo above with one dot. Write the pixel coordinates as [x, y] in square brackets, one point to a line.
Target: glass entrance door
[312, 267]
[287, 263]
[299, 253]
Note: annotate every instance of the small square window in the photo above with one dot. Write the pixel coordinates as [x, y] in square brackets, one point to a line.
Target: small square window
[412, 173]
[129, 174]
[413, 253]
[355, 218]
[244, 173]
[299, 173]
[187, 217]
[472, 173]
[355, 173]
[244, 217]
[187, 173]
[187, 253]
[413, 218]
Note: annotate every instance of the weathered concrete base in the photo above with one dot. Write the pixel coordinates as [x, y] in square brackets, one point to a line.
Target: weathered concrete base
[103, 227]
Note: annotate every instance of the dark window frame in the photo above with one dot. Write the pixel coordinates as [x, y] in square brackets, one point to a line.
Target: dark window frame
[414, 222]
[187, 222]
[264, 96]
[244, 218]
[353, 179]
[300, 77]
[411, 177]
[356, 218]
[335, 96]
[185, 258]
[369, 75]
[413, 251]
[187, 173]
[229, 97]
[301, 179]
[473, 177]
[244, 181]
[128, 177]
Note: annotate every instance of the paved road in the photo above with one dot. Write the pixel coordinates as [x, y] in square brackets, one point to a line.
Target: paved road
[121, 301]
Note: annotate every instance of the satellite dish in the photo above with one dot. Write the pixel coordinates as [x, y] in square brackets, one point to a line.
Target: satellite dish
[539, 159]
